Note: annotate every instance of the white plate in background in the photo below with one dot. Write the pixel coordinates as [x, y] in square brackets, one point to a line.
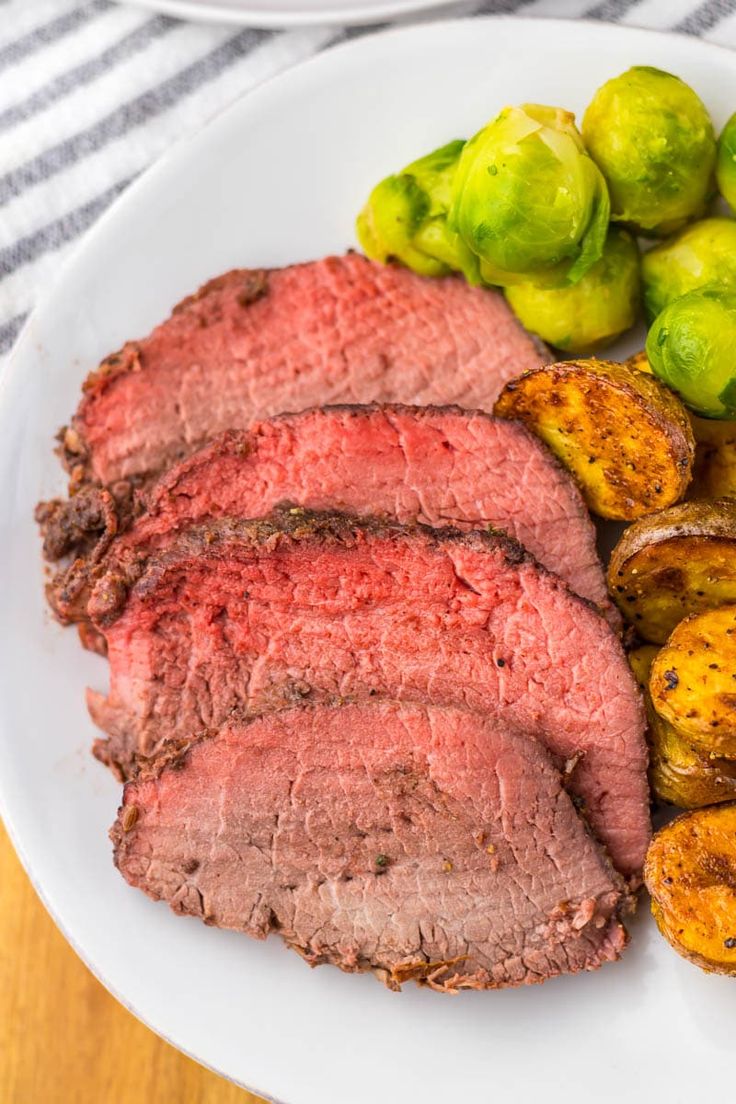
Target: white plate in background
[278, 178]
[292, 13]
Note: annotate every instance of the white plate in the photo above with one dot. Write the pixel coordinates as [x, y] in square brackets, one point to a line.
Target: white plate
[292, 13]
[278, 178]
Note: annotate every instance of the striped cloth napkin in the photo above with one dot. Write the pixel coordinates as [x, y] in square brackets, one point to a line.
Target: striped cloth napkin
[91, 92]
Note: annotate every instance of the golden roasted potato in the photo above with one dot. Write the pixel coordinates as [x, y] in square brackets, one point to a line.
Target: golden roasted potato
[693, 681]
[714, 474]
[677, 562]
[641, 660]
[690, 871]
[682, 776]
[622, 434]
[640, 361]
[678, 774]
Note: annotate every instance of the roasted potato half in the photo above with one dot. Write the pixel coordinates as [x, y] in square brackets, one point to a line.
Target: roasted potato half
[714, 473]
[678, 774]
[693, 681]
[674, 563]
[690, 872]
[682, 776]
[622, 434]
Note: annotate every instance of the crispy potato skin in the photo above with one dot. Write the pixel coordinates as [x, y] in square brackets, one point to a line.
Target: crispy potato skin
[622, 434]
[675, 563]
[693, 681]
[714, 474]
[690, 871]
[678, 774]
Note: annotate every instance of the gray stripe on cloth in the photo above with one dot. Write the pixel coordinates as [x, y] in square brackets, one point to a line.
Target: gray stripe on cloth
[10, 330]
[500, 7]
[610, 10]
[705, 16]
[57, 233]
[348, 33]
[126, 47]
[129, 115]
[49, 32]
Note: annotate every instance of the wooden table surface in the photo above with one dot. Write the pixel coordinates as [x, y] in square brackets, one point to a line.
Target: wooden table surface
[63, 1038]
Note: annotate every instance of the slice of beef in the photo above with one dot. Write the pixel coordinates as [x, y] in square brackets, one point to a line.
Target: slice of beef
[436, 465]
[245, 615]
[252, 344]
[419, 843]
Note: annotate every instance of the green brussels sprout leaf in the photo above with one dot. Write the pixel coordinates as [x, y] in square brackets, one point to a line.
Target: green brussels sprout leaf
[435, 173]
[387, 224]
[692, 348]
[405, 218]
[527, 199]
[726, 163]
[653, 139]
[700, 255]
[585, 317]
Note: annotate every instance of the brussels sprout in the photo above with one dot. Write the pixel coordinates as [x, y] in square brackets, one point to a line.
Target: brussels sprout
[405, 218]
[700, 255]
[387, 224]
[726, 163]
[528, 200]
[692, 348]
[654, 141]
[591, 313]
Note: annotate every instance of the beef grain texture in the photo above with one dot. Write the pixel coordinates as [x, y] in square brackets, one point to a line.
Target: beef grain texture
[435, 465]
[252, 344]
[419, 843]
[244, 615]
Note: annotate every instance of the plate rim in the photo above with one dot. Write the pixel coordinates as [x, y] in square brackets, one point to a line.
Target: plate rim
[257, 16]
[12, 368]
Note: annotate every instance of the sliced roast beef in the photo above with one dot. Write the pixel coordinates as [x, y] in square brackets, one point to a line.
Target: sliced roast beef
[419, 843]
[244, 615]
[251, 344]
[436, 465]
